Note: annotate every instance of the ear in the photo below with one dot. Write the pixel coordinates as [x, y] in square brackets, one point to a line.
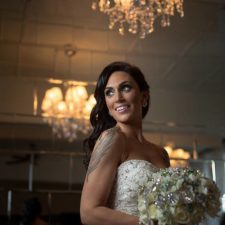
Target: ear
[145, 98]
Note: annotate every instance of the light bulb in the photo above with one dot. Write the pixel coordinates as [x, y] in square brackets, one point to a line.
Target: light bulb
[54, 94]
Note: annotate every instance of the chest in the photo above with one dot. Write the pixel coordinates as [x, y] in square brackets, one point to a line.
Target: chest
[148, 152]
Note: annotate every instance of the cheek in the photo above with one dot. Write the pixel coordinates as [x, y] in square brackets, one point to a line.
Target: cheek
[134, 97]
[108, 103]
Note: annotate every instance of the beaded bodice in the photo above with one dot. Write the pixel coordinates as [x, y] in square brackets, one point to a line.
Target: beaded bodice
[130, 176]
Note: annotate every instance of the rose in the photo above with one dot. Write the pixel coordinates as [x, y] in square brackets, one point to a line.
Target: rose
[204, 185]
[176, 185]
[157, 214]
[192, 177]
[153, 211]
[143, 215]
[181, 215]
[198, 213]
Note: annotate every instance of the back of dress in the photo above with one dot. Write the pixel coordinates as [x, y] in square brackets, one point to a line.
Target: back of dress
[131, 175]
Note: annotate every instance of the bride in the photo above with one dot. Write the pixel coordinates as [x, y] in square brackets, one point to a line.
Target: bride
[120, 157]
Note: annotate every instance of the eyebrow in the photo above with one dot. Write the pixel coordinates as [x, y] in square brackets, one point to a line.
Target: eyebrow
[121, 84]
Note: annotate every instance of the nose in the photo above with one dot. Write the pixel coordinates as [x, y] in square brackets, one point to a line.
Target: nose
[119, 96]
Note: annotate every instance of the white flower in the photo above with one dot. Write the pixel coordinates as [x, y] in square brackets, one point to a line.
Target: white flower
[179, 183]
[192, 177]
[203, 190]
[153, 211]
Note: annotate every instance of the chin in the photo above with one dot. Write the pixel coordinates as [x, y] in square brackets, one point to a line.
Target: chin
[123, 120]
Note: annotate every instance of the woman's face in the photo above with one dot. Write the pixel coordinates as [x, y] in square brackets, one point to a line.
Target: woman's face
[124, 98]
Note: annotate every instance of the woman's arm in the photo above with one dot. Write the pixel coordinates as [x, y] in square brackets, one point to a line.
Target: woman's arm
[99, 180]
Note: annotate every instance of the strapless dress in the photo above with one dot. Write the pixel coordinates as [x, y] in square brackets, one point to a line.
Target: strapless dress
[131, 174]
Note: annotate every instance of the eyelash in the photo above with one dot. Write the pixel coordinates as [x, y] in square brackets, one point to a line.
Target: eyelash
[125, 87]
[108, 93]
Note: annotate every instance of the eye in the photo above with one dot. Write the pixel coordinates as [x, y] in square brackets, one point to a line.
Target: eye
[109, 92]
[126, 87]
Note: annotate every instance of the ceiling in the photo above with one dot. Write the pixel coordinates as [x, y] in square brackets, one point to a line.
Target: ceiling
[184, 64]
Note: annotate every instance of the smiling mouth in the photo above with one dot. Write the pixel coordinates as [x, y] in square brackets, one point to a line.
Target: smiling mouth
[122, 108]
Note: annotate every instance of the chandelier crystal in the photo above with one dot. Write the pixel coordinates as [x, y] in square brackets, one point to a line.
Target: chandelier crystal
[69, 114]
[138, 15]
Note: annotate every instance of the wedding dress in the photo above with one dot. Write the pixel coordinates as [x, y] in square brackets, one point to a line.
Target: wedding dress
[131, 175]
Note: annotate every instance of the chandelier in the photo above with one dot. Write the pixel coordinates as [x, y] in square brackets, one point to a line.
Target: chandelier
[138, 15]
[68, 114]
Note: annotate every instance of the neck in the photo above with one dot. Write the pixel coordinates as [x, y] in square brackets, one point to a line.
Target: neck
[132, 131]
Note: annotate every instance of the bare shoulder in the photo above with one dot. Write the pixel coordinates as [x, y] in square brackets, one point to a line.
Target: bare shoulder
[108, 148]
[113, 133]
[165, 157]
[110, 138]
[162, 153]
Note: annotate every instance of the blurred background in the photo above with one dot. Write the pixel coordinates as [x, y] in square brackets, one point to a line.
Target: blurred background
[52, 51]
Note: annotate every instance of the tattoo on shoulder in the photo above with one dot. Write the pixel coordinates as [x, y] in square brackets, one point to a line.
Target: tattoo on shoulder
[101, 148]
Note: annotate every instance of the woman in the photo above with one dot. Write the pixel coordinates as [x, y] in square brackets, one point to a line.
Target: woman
[121, 158]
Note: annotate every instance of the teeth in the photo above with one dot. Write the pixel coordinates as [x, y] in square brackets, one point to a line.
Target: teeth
[121, 108]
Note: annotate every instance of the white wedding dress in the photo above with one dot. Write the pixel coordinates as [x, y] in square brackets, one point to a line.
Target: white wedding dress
[131, 175]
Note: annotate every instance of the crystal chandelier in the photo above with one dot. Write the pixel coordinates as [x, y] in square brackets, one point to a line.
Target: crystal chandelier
[68, 115]
[138, 15]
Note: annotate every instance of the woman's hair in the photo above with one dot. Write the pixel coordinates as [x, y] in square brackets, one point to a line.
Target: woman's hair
[100, 118]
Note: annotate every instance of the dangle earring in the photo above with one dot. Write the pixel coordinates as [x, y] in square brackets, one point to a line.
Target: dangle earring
[144, 104]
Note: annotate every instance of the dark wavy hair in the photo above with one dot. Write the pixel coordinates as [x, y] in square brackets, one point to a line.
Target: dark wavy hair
[100, 118]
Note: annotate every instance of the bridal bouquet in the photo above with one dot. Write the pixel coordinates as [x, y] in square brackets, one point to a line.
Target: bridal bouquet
[178, 196]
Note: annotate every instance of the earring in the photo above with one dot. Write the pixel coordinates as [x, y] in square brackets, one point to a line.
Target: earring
[144, 104]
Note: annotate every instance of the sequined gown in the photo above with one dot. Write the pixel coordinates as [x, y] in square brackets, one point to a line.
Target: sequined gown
[130, 176]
